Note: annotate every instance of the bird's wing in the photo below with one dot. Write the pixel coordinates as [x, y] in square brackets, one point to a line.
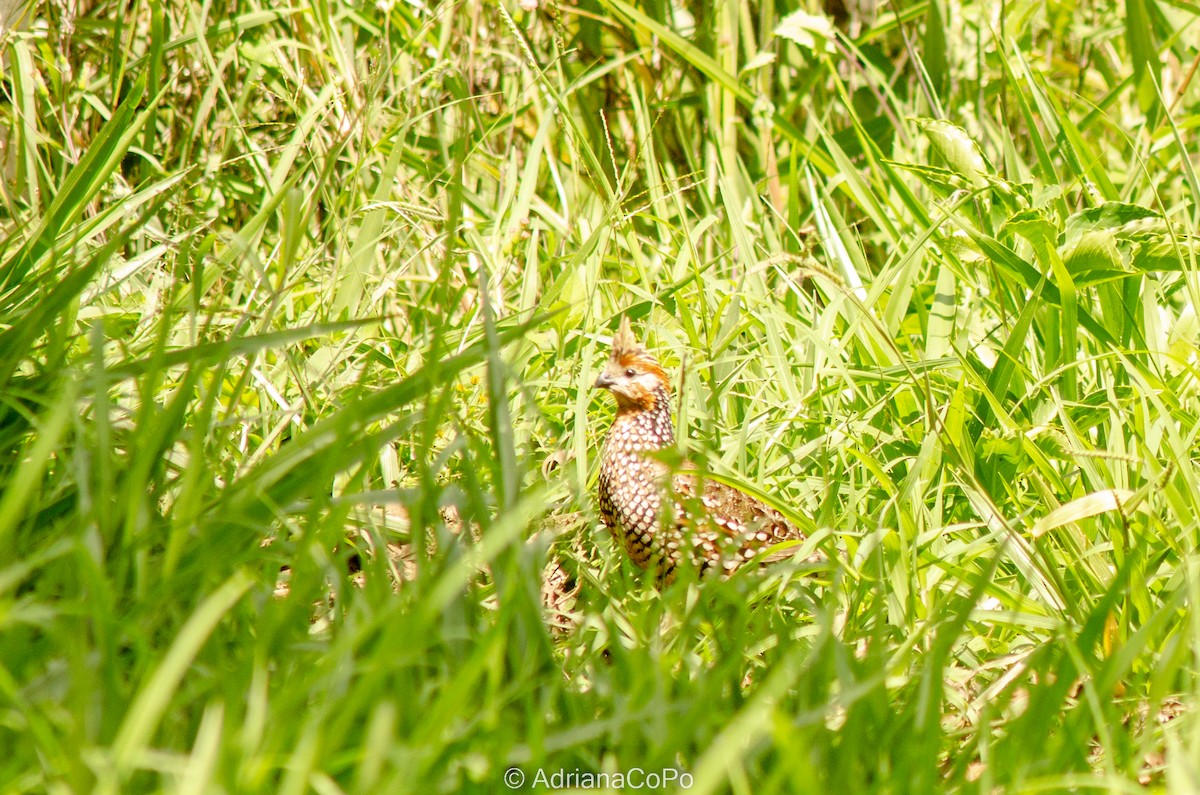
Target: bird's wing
[727, 525]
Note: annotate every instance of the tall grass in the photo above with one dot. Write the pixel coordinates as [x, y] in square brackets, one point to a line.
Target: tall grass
[299, 308]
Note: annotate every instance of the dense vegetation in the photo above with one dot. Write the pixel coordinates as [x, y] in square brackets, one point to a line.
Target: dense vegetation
[299, 307]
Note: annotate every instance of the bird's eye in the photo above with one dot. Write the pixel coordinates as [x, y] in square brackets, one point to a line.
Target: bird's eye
[630, 373]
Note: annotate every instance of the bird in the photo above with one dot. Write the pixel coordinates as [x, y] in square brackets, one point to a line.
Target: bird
[665, 519]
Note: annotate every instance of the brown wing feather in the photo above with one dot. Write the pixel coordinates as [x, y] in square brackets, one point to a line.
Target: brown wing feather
[727, 526]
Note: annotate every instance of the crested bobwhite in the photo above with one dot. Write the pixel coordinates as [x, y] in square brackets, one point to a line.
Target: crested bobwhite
[719, 530]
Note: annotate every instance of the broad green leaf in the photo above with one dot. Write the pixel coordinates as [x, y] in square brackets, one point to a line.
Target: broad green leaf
[813, 32]
[1118, 217]
[1033, 225]
[960, 152]
[1094, 258]
[1083, 508]
[758, 62]
[1165, 255]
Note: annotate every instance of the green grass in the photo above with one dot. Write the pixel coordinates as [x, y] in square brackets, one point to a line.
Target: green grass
[299, 308]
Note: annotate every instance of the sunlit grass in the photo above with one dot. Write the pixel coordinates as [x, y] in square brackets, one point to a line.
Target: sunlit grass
[299, 309]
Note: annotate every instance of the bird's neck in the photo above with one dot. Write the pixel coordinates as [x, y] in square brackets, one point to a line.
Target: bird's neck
[653, 425]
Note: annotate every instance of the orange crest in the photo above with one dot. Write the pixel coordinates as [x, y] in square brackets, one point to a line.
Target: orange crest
[624, 343]
[627, 351]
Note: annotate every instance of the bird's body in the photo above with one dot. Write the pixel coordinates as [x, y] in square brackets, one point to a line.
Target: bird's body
[664, 520]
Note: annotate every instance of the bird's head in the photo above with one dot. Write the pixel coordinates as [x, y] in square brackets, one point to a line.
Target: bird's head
[634, 377]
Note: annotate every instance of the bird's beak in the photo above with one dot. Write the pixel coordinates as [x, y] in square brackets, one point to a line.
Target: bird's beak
[604, 381]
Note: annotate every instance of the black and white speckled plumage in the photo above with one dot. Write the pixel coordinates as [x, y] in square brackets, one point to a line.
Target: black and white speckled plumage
[631, 483]
[711, 525]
